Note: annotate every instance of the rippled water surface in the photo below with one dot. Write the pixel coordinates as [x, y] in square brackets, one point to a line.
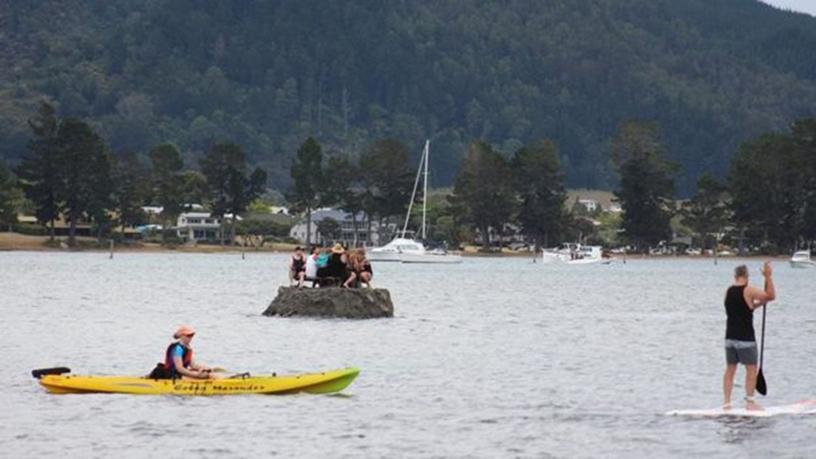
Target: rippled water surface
[490, 358]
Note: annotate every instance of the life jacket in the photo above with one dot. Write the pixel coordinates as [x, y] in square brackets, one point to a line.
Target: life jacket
[186, 358]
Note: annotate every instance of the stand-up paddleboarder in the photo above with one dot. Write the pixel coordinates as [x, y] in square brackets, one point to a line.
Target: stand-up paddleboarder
[740, 343]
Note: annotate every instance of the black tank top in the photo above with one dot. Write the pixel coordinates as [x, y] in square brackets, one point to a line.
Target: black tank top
[298, 264]
[740, 325]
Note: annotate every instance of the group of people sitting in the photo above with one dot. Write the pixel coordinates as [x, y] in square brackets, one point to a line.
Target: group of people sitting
[330, 267]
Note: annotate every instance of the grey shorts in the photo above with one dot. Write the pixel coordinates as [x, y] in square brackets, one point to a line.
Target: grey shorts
[744, 352]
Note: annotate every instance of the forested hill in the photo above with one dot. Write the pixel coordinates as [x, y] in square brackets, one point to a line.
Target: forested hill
[266, 74]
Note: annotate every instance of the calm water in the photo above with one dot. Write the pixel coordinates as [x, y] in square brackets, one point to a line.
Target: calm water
[490, 358]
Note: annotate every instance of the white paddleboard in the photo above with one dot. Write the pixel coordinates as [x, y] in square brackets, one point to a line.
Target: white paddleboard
[803, 407]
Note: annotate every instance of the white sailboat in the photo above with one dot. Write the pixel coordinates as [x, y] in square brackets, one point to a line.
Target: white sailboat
[404, 249]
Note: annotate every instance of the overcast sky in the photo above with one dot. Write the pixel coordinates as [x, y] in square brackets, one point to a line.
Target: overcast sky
[805, 6]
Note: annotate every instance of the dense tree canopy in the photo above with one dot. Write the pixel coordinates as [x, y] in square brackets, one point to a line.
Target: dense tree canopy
[538, 180]
[773, 184]
[646, 191]
[266, 75]
[230, 186]
[707, 213]
[484, 190]
[10, 196]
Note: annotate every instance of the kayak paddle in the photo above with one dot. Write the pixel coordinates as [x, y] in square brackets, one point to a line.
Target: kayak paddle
[40, 372]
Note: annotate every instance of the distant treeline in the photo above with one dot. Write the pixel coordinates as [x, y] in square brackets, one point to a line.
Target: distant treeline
[268, 74]
[69, 172]
[768, 202]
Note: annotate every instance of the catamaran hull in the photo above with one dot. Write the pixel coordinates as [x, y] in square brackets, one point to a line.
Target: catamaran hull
[383, 256]
[429, 258]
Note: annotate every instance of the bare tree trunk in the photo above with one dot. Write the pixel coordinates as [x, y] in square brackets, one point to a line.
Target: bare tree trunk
[308, 226]
[72, 231]
[163, 230]
[354, 228]
[345, 110]
[51, 231]
[485, 238]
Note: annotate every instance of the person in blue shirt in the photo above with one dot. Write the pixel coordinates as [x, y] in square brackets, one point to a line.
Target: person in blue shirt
[178, 358]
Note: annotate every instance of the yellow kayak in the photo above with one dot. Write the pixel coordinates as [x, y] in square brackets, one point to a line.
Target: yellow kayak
[313, 383]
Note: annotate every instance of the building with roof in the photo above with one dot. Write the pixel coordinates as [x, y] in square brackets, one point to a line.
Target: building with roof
[200, 226]
[346, 234]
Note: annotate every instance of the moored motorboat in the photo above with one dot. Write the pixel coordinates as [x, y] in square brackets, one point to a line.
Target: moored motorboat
[314, 383]
[575, 254]
[801, 259]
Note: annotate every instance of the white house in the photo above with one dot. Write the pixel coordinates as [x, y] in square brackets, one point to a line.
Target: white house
[590, 205]
[199, 226]
[298, 231]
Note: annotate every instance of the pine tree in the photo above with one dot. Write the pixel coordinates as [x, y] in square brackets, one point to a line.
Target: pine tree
[168, 189]
[230, 189]
[646, 185]
[484, 190]
[84, 184]
[539, 182]
[307, 176]
[39, 170]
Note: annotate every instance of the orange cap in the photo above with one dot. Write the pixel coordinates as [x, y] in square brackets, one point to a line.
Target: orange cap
[184, 330]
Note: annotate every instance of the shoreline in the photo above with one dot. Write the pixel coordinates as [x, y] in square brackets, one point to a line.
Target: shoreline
[15, 242]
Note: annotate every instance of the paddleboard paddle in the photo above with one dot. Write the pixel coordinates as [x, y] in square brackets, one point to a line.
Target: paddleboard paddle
[761, 386]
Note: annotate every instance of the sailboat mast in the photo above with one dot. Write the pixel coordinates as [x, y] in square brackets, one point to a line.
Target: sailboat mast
[413, 194]
[425, 191]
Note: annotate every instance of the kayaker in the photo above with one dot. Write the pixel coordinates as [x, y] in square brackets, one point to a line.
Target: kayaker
[740, 342]
[178, 358]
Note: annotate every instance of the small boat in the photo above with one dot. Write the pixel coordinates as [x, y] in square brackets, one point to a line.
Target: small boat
[56, 381]
[411, 251]
[431, 256]
[801, 259]
[575, 254]
[393, 250]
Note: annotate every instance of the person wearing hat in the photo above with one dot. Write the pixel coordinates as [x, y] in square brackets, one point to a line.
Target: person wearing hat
[336, 267]
[178, 359]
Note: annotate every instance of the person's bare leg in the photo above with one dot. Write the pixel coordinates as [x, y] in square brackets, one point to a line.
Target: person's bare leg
[750, 385]
[350, 280]
[301, 278]
[365, 278]
[728, 384]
